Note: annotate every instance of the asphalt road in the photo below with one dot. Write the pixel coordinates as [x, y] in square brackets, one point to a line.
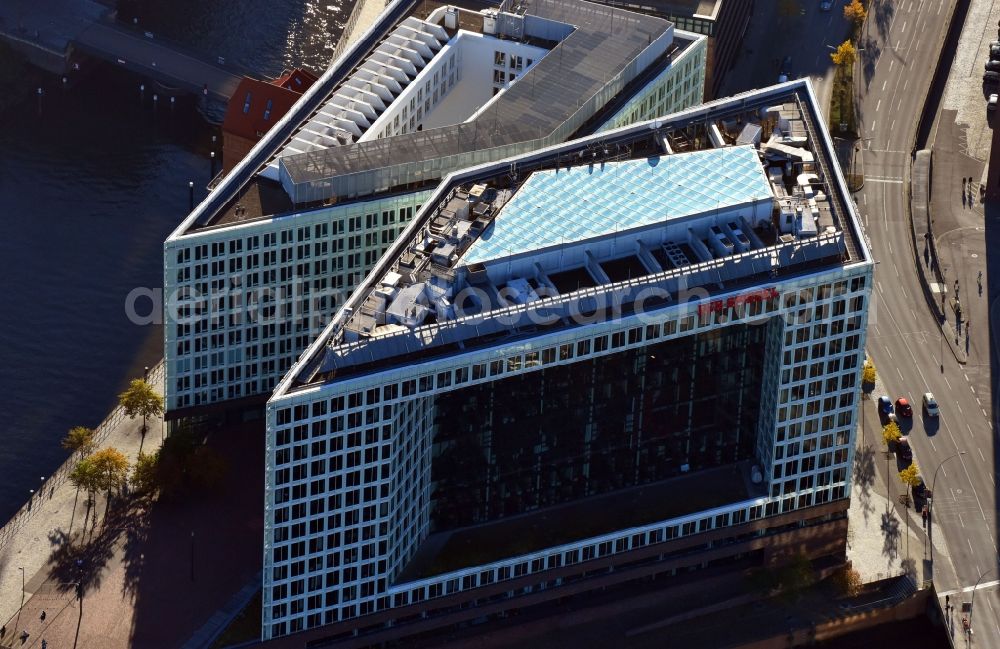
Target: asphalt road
[794, 29]
[904, 339]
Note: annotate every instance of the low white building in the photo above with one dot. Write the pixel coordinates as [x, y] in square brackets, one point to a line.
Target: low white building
[260, 267]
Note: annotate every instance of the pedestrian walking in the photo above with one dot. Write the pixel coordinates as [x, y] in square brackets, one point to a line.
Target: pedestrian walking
[42, 616]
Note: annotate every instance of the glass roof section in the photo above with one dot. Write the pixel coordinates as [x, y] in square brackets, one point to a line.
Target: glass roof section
[574, 204]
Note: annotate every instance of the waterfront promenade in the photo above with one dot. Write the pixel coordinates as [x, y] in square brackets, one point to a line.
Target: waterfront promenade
[56, 28]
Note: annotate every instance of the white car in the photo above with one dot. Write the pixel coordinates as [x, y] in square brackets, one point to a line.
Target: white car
[930, 405]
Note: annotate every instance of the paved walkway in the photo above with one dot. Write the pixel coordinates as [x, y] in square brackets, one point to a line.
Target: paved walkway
[884, 538]
[39, 545]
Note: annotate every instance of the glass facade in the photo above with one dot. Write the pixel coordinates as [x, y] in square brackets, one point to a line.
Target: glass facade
[570, 431]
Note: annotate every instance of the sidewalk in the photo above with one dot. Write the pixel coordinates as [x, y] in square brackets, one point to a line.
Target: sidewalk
[884, 539]
[58, 513]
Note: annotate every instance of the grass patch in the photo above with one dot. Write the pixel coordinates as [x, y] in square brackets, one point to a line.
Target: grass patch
[245, 627]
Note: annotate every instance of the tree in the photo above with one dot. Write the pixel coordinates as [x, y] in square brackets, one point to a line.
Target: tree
[868, 374]
[848, 581]
[911, 475]
[891, 433]
[855, 12]
[141, 399]
[144, 471]
[844, 55]
[110, 467]
[79, 439]
[84, 475]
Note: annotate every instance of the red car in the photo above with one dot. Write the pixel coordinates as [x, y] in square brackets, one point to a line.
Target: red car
[903, 407]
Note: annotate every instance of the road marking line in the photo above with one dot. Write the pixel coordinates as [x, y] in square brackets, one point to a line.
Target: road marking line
[934, 446]
[884, 83]
[973, 389]
[886, 181]
[878, 105]
[887, 351]
[904, 28]
[892, 125]
[969, 589]
[984, 412]
[972, 551]
[961, 520]
[981, 454]
[891, 61]
[948, 382]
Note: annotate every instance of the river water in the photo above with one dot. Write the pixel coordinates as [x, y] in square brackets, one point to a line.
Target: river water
[93, 177]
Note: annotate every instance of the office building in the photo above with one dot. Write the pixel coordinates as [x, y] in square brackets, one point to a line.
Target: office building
[724, 22]
[613, 360]
[262, 265]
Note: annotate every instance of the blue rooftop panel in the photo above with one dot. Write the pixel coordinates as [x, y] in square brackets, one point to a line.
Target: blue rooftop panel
[590, 201]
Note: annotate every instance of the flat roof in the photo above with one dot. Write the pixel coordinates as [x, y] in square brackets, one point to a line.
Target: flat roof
[568, 205]
[720, 252]
[580, 519]
[603, 42]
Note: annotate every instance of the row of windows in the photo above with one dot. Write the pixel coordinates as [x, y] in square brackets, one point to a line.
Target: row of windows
[338, 600]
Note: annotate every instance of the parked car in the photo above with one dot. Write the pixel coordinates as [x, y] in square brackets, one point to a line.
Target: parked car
[993, 65]
[991, 76]
[930, 405]
[903, 407]
[884, 406]
[825, 5]
[903, 449]
[991, 103]
[786, 69]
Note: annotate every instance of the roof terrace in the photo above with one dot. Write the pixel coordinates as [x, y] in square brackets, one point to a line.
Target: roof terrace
[738, 194]
[346, 146]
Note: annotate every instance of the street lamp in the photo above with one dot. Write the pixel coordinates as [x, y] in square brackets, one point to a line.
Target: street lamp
[972, 604]
[930, 507]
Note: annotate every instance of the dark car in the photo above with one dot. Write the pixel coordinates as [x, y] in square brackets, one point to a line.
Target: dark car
[904, 450]
[884, 406]
[993, 66]
[903, 407]
[991, 76]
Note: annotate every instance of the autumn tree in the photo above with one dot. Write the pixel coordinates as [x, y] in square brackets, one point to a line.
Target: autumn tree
[111, 468]
[79, 439]
[848, 581]
[911, 475]
[844, 55]
[868, 374]
[891, 433]
[141, 399]
[855, 12]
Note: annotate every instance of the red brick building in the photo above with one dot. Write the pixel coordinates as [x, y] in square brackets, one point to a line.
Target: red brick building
[255, 107]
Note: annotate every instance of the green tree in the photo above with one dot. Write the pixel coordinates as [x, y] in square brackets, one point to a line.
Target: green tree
[79, 438]
[110, 467]
[845, 55]
[855, 12]
[144, 478]
[911, 475]
[84, 475]
[796, 575]
[891, 433]
[141, 399]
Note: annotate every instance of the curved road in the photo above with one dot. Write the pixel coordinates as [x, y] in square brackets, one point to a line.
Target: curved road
[904, 338]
